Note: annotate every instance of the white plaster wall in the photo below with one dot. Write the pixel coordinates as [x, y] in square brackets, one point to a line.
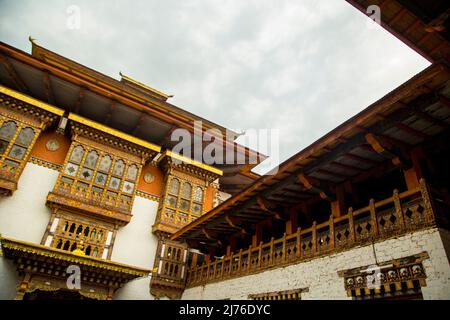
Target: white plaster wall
[24, 215]
[136, 245]
[8, 279]
[321, 275]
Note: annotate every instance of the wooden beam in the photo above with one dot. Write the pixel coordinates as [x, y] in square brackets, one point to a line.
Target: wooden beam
[361, 159]
[233, 221]
[315, 187]
[264, 204]
[112, 107]
[48, 88]
[412, 131]
[345, 166]
[18, 82]
[444, 101]
[76, 108]
[431, 119]
[138, 123]
[333, 174]
[386, 151]
[210, 235]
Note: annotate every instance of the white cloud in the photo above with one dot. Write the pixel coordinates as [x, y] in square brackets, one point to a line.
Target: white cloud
[302, 67]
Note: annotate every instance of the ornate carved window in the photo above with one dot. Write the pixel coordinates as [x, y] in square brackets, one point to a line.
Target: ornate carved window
[99, 177]
[182, 205]
[169, 270]
[16, 141]
[67, 230]
[183, 199]
[397, 279]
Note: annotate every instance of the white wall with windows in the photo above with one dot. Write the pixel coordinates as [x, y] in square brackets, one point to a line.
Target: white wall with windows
[320, 276]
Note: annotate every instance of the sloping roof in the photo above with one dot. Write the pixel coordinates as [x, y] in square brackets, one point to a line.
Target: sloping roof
[423, 25]
[415, 111]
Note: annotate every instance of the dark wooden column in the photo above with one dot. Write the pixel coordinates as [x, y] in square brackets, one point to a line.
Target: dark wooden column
[292, 223]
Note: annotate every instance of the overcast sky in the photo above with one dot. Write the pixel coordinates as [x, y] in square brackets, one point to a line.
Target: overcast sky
[299, 66]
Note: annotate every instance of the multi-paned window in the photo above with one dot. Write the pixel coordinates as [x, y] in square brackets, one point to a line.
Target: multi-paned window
[184, 201]
[16, 139]
[99, 176]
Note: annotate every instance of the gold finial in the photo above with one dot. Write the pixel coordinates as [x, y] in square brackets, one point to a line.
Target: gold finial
[79, 249]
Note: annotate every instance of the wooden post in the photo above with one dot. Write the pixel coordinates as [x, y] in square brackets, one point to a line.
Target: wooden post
[240, 260]
[292, 223]
[331, 224]
[351, 224]
[411, 178]
[428, 204]
[257, 237]
[223, 267]
[271, 251]
[284, 247]
[314, 237]
[249, 258]
[337, 206]
[260, 254]
[398, 209]
[299, 243]
[373, 218]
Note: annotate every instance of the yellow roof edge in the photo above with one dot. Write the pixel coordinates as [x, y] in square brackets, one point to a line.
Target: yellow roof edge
[114, 132]
[194, 162]
[34, 102]
[144, 86]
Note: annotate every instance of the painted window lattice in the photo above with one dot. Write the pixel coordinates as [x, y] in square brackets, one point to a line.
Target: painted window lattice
[111, 180]
[183, 201]
[16, 139]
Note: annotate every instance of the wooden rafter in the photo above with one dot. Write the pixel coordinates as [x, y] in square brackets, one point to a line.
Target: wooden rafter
[412, 131]
[18, 82]
[76, 108]
[432, 119]
[48, 88]
[112, 107]
[314, 186]
[345, 166]
[361, 159]
[333, 173]
[386, 150]
[138, 123]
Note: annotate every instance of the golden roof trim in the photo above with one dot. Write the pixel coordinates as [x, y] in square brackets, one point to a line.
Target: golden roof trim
[32, 101]
[114, 132]
[193, 162]
[42, 250]
[145, 87]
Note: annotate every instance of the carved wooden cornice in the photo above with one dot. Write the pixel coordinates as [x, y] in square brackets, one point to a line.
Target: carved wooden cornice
[29, 107]
[36, 252]
[92, 130]
[72, 202]
[189, 166]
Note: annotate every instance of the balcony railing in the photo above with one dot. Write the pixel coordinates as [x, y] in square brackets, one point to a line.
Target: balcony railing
[398, 214]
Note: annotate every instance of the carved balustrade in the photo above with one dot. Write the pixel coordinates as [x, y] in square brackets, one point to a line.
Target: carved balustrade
[398, 214]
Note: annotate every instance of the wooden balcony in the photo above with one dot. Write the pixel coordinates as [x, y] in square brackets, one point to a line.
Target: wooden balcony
[399, 214]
